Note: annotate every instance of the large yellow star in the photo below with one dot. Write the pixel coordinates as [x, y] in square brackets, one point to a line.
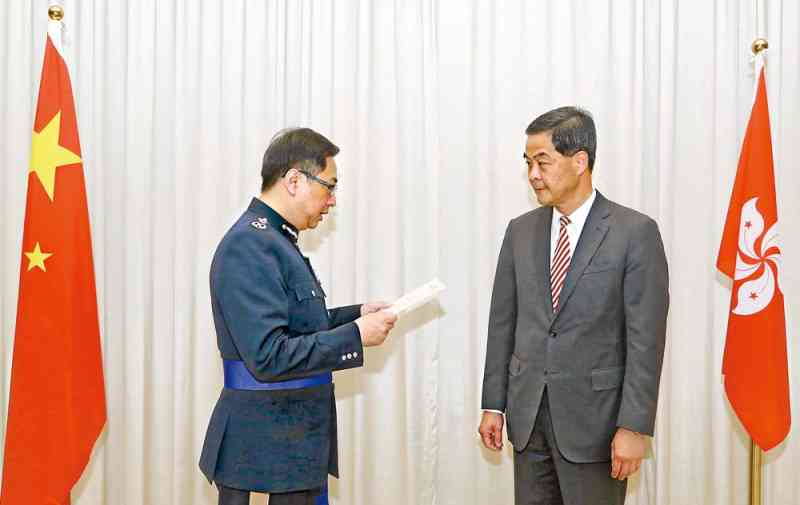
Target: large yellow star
[36, 258]
[47, 155]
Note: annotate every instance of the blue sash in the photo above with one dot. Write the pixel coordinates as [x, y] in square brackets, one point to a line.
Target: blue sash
[237, 376]
[322, 499]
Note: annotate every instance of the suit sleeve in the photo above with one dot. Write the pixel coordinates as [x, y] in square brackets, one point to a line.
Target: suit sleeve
[255, 304]
[502, 324]
[344, 315]
[646, 300]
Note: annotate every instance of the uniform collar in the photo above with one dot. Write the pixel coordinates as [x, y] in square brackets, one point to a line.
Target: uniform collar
[261, 209]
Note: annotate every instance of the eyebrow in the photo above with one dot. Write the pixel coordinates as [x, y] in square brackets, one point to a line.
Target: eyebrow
[536, 156]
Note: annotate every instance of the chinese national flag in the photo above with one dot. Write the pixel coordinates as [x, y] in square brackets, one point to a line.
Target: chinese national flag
[57, 404]
[755, 365]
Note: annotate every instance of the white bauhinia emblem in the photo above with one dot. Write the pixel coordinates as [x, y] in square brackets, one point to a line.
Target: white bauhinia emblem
[756, 266]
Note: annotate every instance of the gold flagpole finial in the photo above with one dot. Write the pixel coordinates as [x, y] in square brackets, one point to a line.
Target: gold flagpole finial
[56, 12]
[759, 45]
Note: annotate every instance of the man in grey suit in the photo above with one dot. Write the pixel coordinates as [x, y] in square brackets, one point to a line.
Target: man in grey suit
[576, 329]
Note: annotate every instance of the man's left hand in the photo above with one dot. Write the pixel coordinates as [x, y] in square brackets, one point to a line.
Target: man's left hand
[369, 308]
[627, 451]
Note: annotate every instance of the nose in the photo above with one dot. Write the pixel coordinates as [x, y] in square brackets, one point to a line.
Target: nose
[332, 200]
[533, 172]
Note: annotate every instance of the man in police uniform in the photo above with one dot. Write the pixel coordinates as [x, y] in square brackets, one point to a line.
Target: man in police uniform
[273, 429]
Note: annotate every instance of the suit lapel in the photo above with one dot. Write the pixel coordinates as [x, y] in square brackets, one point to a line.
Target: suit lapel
[536, 255]
[594, 231]
[541, 255]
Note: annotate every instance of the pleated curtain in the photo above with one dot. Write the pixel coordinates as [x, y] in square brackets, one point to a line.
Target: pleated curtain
[428, 100]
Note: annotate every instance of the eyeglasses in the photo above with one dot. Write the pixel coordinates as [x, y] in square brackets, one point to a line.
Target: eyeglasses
[331, 187]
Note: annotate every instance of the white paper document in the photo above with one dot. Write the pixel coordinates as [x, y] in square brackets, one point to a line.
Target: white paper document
[417, 298]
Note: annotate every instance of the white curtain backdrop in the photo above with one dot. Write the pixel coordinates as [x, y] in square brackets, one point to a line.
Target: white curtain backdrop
[428, 100]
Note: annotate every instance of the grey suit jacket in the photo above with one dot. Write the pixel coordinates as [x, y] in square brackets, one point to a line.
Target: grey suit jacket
[600, 354]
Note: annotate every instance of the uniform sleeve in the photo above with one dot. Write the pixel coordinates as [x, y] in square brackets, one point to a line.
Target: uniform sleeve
[344, 315]
[502, 325]
[254, 299]
[646, 299]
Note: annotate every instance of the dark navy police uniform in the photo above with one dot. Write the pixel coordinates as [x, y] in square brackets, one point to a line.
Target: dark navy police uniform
[273, 428]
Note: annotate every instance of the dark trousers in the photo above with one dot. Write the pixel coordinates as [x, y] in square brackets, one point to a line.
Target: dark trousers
[230, 496]
[543, 477]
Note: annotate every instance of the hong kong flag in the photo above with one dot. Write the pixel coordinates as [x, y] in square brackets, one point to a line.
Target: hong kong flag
[755, 365]
[57, 402]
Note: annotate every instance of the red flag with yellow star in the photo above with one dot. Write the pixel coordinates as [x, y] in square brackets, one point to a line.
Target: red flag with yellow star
[57, 403]
[755, 364]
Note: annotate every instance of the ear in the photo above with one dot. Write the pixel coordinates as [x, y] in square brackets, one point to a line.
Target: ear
[581, 161]
[290, 181]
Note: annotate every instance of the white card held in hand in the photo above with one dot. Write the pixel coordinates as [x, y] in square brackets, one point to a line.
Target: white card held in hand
[417, 298]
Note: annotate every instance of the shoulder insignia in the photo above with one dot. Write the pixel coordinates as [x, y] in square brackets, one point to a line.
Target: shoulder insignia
[289, 231]
[260, 223]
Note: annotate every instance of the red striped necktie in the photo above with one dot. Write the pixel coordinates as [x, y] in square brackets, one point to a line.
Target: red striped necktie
[558, 269]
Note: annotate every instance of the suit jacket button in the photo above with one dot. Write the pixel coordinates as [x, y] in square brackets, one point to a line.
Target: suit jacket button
[553, 334]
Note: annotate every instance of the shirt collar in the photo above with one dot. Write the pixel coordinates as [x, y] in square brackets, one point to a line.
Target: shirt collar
[258, 207]
[579, 215]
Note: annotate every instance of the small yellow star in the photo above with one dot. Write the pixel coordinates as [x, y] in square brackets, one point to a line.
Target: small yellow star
[36, 258]
[47, 155]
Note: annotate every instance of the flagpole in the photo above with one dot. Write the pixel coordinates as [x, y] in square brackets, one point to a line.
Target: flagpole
[55, 27]
[755, 474]
[756, 463]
